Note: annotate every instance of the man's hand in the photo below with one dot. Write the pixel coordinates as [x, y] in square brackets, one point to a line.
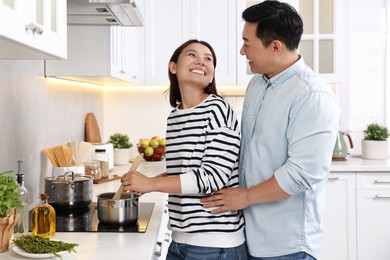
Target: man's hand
[227, 199]
[136, 182]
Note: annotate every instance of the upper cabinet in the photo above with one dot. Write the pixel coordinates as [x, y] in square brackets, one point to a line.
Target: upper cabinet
[101, 55]
[170, 23]
[34, 29]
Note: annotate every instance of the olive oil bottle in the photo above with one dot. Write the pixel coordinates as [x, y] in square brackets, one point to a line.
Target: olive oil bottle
[44, 219]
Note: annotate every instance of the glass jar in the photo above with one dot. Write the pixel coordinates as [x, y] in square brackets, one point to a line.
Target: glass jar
[92, 168]
[103, 158]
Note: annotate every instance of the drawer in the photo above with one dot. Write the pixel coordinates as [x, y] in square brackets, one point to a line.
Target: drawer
[373, 180]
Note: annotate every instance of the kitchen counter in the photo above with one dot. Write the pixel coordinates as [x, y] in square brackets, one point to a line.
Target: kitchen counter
[96, 245]
[357, 164]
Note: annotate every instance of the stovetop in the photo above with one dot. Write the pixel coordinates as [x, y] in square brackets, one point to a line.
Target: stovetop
[86, 220]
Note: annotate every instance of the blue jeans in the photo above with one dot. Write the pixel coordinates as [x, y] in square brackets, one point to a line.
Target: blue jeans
[295, 256]
[177, 251]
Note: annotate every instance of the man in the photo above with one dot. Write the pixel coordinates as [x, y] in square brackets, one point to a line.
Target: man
[289, 125]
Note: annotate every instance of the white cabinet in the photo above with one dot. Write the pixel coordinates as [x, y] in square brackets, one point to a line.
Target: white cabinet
[163, 235]
[102, 55]
[170, 23]
[373, 215]
[34, 29]
[339, 222]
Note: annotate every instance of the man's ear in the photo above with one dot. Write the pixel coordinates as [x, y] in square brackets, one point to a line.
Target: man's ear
[172, 67]
[277, 46]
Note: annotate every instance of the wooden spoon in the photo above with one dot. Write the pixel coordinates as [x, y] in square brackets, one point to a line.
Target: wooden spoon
[133, 167]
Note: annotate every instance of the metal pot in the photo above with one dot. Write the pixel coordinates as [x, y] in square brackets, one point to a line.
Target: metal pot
[69, 192]
[121, 211]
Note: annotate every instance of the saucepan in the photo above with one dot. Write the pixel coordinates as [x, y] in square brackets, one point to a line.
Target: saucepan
[119, 208]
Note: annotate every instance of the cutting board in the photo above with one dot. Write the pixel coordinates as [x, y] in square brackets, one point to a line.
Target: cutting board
[92, 133]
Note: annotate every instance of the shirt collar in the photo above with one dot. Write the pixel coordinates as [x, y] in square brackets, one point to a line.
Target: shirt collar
[286, 74]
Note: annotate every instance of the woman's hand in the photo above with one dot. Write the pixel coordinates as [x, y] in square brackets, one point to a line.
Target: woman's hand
[137, 182]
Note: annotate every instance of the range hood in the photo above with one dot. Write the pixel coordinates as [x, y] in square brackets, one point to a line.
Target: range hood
[104, 12]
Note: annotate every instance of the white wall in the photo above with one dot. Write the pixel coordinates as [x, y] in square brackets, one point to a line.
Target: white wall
[36, 114]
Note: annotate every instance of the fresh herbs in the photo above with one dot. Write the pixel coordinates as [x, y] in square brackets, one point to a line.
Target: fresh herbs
[376, 132]
[40, 245]
[9, 193]
[120, 141]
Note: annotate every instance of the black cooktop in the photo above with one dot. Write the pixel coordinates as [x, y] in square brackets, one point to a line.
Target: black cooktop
[86, 220]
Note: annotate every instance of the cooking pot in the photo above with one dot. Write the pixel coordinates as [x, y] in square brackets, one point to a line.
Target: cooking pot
[121, 211]
[69, 191]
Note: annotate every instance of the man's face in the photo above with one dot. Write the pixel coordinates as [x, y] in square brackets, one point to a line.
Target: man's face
[260, 57]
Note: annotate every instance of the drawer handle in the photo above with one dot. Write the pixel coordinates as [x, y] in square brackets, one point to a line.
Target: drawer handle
[34, 28]
[382, 181]
[333, 178]
[382, 197]
[159, 251]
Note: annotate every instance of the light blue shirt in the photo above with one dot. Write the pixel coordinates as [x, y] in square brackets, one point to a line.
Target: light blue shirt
[288, 130]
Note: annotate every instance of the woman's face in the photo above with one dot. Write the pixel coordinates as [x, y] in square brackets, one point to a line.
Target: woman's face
[195, 65]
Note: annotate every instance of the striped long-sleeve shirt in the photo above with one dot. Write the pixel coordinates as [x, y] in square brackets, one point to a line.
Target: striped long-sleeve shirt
[202, 147]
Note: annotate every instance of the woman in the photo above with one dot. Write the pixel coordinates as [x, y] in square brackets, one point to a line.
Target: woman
[202, 148]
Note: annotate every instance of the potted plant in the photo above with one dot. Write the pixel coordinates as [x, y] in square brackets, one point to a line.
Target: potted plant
[9, 200]
[122, 147]
[374, 144]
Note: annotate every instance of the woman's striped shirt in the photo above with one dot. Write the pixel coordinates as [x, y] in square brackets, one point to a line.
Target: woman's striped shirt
[202, 147]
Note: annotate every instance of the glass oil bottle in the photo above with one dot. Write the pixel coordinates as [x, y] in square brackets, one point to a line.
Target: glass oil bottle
[44, 219]
[22, 226]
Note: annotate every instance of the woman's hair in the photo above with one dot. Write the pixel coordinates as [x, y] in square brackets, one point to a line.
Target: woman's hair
[275, 21]
[174, 90]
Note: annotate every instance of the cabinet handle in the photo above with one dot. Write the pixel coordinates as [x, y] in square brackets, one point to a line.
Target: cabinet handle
[382, 197]
[167, 237]
[34, 28]
[122, 71]
[158, 252]
[333, 178]
[382, 181]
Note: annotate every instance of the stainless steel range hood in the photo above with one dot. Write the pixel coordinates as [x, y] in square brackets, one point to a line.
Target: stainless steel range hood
[104, 12]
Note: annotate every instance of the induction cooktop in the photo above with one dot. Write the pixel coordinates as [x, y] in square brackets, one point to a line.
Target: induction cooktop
[86, 220]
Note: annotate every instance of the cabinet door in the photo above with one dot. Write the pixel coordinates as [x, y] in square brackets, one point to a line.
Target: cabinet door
[183, 20]
[373, 215]
[34, 29]
[339, 220]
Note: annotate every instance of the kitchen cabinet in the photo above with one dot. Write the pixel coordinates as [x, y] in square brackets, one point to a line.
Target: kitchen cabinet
[339, 221]
[373, 214]
[211, 21]
[102, 55]
[34, 29]
[163, 234]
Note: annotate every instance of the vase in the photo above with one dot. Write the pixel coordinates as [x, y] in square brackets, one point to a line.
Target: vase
[121, 156]
[375, 150]
[7, 225]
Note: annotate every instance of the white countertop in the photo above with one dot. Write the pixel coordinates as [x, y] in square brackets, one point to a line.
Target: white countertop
[95, 245]
[357, 164]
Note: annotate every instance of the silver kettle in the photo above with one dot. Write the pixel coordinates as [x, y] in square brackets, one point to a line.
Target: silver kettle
[340, 150]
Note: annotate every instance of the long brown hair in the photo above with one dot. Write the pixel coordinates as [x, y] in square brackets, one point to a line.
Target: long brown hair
[174, 90]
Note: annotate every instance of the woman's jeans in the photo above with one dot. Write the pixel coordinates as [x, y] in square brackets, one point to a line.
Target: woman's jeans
[295, 256]
[178, 251]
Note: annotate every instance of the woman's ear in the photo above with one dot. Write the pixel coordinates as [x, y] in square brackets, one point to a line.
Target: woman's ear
[172, 67]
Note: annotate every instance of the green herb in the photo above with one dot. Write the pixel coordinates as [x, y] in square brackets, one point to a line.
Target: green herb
[376, 132]
[120, 141]
[40, 245]
[9, 193]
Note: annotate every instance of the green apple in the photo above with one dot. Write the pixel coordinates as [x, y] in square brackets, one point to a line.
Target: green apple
[144, 142]
[148, 151]
[162, 142]
[154, 144]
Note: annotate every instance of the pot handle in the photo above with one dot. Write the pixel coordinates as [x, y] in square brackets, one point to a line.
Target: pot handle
[133, 167]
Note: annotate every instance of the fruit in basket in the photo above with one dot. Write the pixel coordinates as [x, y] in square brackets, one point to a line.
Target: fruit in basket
[152, 149]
